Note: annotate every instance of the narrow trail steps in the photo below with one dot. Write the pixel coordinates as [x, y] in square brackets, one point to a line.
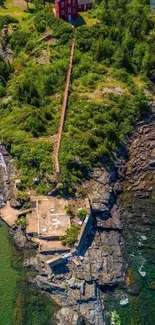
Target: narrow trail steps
[63, 110]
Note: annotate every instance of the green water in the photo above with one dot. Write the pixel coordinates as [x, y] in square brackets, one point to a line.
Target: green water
[8, 277]
[20, 302]
[139, 254]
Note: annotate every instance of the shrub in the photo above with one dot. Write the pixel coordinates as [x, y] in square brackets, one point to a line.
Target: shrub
[2, 91]
[22, 196]
[30, 46]
[4, 70]
[122, 75]
[21, 221]
[41, 26]
[82, 214]
[70, 210]
[5, 20]
[18, 40]
[71, 236]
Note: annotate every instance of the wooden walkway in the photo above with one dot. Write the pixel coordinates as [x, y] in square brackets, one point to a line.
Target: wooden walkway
[63, 110]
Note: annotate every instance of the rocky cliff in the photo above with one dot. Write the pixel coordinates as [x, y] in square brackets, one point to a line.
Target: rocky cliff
[7, 173]
[80, 287]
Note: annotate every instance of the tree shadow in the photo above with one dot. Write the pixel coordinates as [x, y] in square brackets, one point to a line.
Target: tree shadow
[60, 268]
[30, 10]
[50, 1]
[87, 242]
[79, 21]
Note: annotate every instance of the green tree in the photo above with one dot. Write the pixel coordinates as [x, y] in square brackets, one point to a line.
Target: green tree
[71, 236]
[82, 214]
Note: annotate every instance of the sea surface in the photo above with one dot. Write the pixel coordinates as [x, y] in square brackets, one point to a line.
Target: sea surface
[135, 304]
[20, 302]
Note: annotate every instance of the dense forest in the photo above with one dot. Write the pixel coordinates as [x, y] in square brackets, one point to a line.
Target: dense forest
[113, 72]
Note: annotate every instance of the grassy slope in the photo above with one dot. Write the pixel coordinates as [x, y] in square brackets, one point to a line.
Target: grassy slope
[95, 106]
[103, 104]
[100, 110]
[15, 8]
[45, 66]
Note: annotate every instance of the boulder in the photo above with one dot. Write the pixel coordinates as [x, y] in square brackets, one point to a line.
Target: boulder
[67, 316]
[15, 204]
[19, 238]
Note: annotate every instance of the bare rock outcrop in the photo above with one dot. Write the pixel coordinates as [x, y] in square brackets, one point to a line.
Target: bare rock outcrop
[102, 261]
[20, 239]
[140, 168]
[7, 173]
[66, 316]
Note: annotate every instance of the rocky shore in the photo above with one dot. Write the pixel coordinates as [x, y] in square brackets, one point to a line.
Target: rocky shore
[80, 288]
[140, 168]
[7, 172]
[102, 262]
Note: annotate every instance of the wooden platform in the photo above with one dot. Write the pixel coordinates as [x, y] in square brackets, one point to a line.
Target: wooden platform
[10, 215]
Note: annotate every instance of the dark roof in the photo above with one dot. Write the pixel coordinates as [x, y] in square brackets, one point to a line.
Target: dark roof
[84, 2]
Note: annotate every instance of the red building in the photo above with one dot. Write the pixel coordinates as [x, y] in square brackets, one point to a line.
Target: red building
[68, 9]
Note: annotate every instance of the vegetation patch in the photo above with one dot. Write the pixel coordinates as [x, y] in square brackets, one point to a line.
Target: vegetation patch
[115, 52]
[33, 95]
[82, 214]
[71, 236]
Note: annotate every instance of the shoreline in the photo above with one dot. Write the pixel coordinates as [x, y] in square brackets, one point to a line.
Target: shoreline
[105, 188]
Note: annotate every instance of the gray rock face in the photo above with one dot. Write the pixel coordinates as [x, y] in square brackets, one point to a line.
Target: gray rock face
[103, 261]
[15, 204]
[33, 263]
[113, 222]
[66, 316]
[101, 192]
[140, 168]
[7, 172]
[83, 297]
[19, 238]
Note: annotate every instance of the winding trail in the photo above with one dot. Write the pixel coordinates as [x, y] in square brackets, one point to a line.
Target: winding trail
[63, 110]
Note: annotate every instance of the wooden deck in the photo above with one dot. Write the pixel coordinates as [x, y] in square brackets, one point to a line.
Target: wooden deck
[10, 215]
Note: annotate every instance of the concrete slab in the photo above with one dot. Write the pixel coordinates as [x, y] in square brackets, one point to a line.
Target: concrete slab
[48, 218]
